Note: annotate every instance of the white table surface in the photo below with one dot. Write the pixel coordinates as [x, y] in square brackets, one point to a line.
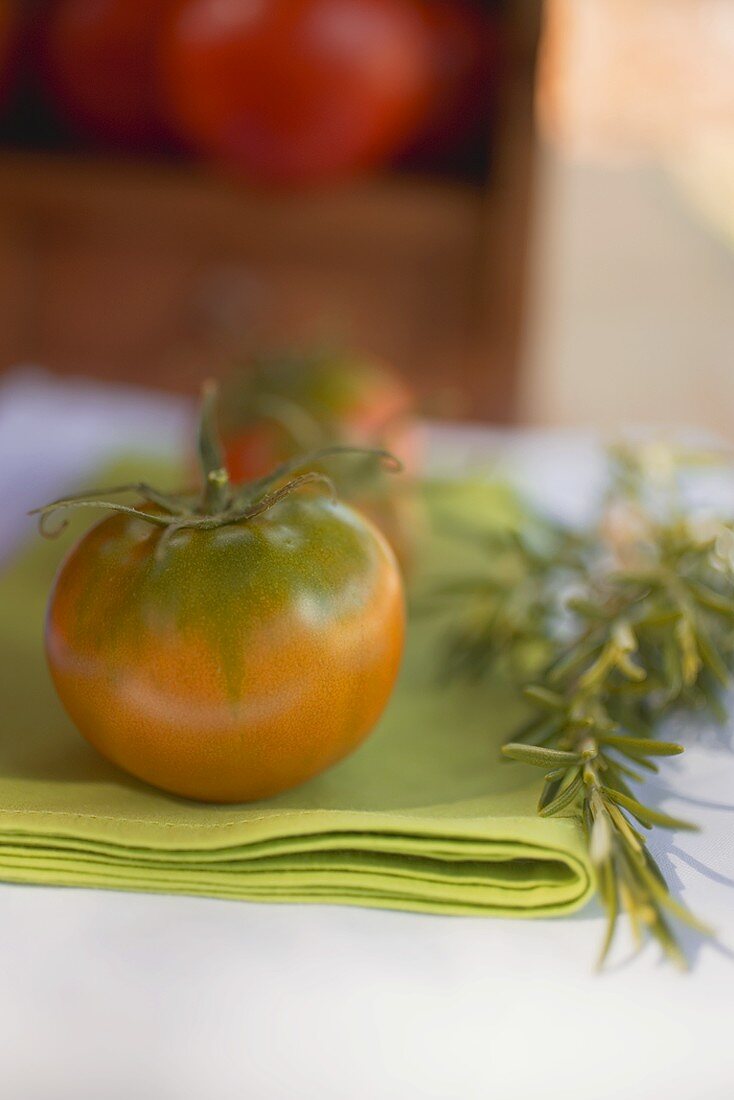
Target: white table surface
[108, 995]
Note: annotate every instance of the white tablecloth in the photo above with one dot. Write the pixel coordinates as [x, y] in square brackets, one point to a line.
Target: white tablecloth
[109, 995]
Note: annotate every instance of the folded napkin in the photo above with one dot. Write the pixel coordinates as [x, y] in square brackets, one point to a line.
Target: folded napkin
[423, 816]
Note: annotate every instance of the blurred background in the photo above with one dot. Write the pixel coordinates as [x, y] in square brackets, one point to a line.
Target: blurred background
[525, 207]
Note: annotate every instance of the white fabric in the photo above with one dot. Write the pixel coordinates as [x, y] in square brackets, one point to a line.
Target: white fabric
[110, 995]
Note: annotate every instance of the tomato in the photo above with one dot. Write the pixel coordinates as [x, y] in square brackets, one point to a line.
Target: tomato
[9, 40]
[100, 62]
[285, 403]
[234, 658]
[296, 91]
[292, 402]
[464, 44]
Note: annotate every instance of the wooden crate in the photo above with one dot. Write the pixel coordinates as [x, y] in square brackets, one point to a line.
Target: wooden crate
[160, 273]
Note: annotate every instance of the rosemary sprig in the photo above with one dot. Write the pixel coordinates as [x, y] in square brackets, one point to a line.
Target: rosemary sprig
[635, 617]
[504, 617]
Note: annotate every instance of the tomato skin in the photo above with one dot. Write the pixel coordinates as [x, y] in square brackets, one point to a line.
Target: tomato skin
[100, 68]
[296, 92]
[245, 662]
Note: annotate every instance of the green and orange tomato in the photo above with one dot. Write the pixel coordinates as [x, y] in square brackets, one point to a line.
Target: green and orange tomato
[283, 402]
[287, 402]
[232, 648]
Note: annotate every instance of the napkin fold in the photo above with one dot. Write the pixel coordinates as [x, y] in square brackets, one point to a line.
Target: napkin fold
[423, 817]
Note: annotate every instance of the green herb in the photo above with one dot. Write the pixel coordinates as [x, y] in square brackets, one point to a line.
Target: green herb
[618, 625]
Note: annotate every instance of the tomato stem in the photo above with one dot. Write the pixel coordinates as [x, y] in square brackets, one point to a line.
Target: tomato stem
[216, 494]
[218, 505]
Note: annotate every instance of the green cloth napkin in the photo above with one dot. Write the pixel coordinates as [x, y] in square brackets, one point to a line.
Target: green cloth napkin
[422, 817]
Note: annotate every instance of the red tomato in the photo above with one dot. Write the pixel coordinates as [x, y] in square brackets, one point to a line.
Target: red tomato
[9, 30]
[297, 91]
[464, 45]
[100, 68]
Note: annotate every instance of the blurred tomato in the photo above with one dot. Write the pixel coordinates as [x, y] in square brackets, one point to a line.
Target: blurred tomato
[100, 61]
[293, 403]
[9, 34]
[464, 50]
[297, 91]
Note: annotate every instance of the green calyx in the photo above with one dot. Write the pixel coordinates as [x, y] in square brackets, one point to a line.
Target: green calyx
[219, 503]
